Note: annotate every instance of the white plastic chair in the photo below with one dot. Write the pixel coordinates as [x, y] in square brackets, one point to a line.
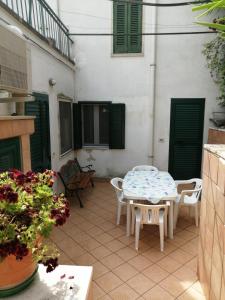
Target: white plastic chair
[188, 197]
[151, 215]
[119, 193]
[145, 168]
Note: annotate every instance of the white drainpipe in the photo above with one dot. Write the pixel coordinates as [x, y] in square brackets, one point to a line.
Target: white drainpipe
[153, 81]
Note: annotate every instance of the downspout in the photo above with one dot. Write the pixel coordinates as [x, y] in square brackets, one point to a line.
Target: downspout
[153, 83]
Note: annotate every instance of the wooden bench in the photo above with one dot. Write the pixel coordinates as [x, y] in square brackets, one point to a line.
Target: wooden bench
[76, 178]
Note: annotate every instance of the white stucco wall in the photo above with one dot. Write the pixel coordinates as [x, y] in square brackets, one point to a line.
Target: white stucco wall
[46, 64]
[100, 76]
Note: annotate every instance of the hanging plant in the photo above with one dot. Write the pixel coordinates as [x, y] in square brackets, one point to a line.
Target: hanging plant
[214, 52]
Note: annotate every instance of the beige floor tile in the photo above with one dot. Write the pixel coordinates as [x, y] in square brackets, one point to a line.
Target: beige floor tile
[140, 262]
[143, 246]
[177, 241]
[123, 292]
[101, 252]
[107, 226]
[104, 238]
[191, 248]
[126, 240]
[85, 260]
[65, 260]
[85, 226]
[192, 264]
[193, 229]
[81, 237]
[105, 297]
[180, 256]
[169, 264]
[140, 283]
[155, 273]
[71, 248]
[108, 282]
[90, 244]
[126, 253]
[157, 293]
[186, 235]
[191, 294]
[117, 232]
[154, 255]
[186, 274]
[112, 261]
[57, 235]
[174, 286]
[98, 293]
[99, 270]
[94, 231]
[125, 271]
[115, 245]
[197, 286]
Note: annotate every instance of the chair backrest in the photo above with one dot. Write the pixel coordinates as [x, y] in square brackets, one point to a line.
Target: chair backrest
[196, 191]
[115, 182]
[145, 168]
[150, 214]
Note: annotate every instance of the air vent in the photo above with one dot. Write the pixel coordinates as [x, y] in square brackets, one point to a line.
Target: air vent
[13, 62]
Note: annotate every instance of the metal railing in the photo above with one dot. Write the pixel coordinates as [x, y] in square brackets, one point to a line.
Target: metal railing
[41, 19]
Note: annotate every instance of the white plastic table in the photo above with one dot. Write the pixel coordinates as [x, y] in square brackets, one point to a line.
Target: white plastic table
[151, 186]
[64, 283]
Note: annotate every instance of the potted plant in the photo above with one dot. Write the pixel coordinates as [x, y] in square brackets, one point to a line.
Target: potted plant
[29, 210]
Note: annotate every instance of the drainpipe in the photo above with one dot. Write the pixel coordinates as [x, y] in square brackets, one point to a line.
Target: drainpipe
[153, 82]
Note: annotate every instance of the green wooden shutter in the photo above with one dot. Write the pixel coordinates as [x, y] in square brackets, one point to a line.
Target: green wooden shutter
[117, 126]
[120, 40]
[77, 126]
[10, 157]
[134, 28]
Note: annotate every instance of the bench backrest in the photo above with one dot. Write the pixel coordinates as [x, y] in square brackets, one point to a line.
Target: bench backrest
[68, 171]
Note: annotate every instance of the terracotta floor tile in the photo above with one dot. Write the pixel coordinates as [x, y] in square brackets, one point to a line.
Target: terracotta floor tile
[108, 282]
[99, 269]
[98, 293]
[154, 255]
[126, 253]
[85, 226]
[57, 235]
[140, 262]
[125, 271]
[115, 245]
[107, 226]
[186, 274]
[101, 252]
[155, 273]
[90, 244]
[94, 231]
[140, 283]
[191, 294]
[192, 264]
[64, 259]
[142, 247]
[177, 241]
[193, 229]
[157, 293]
[85, 260]
[174, 286]
[112, 261]
[81, 237]
[126, 240]
[180, 256]
[191, 248]
[117, 232]
[104, 238]
[169, 264]
[105, 297]
[186, 235]
[123, 292]
[71, 248]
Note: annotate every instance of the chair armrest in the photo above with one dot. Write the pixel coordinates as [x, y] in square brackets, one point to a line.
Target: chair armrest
[185, 192]
[177, 182]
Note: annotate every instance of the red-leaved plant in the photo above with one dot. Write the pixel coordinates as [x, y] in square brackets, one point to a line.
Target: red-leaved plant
[29, 210]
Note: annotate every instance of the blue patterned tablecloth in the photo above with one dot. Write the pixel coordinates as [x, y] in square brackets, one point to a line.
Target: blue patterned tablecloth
[152, 186]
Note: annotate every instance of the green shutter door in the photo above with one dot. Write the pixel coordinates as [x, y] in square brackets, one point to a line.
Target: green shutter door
[40, 140]
[134, 28]
[10, 156]
[186, 135]
[120, 43]
[117, 126]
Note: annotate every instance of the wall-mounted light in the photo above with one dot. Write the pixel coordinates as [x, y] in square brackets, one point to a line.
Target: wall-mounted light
[52, 82]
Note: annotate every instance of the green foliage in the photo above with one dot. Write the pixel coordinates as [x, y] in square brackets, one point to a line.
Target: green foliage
[214, 52]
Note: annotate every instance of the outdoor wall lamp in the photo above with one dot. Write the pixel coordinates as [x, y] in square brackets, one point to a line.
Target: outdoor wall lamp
[52, 82]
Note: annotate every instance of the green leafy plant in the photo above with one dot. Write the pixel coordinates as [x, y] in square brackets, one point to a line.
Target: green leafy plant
[28, 212]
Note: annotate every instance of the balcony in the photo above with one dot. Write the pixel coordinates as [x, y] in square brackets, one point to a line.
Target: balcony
[38, 16]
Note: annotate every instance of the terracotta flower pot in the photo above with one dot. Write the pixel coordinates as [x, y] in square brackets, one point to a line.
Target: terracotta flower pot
[16, 274]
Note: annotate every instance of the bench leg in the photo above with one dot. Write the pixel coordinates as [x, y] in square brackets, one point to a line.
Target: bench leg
[78, 197]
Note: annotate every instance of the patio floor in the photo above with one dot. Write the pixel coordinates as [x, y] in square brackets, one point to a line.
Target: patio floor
[90, 237]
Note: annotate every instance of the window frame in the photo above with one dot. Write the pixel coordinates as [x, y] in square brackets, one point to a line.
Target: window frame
[68, 100]
[93, 103]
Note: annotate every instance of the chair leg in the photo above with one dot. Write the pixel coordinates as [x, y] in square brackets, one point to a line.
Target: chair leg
[118, 213]
[176, 211]
[78, 197]
[132, 221]
[165, 225]
[196, 214]
[137, 234]
[161, 233]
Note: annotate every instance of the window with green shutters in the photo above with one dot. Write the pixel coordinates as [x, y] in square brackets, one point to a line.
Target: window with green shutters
[99, 124]
[127, 27]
